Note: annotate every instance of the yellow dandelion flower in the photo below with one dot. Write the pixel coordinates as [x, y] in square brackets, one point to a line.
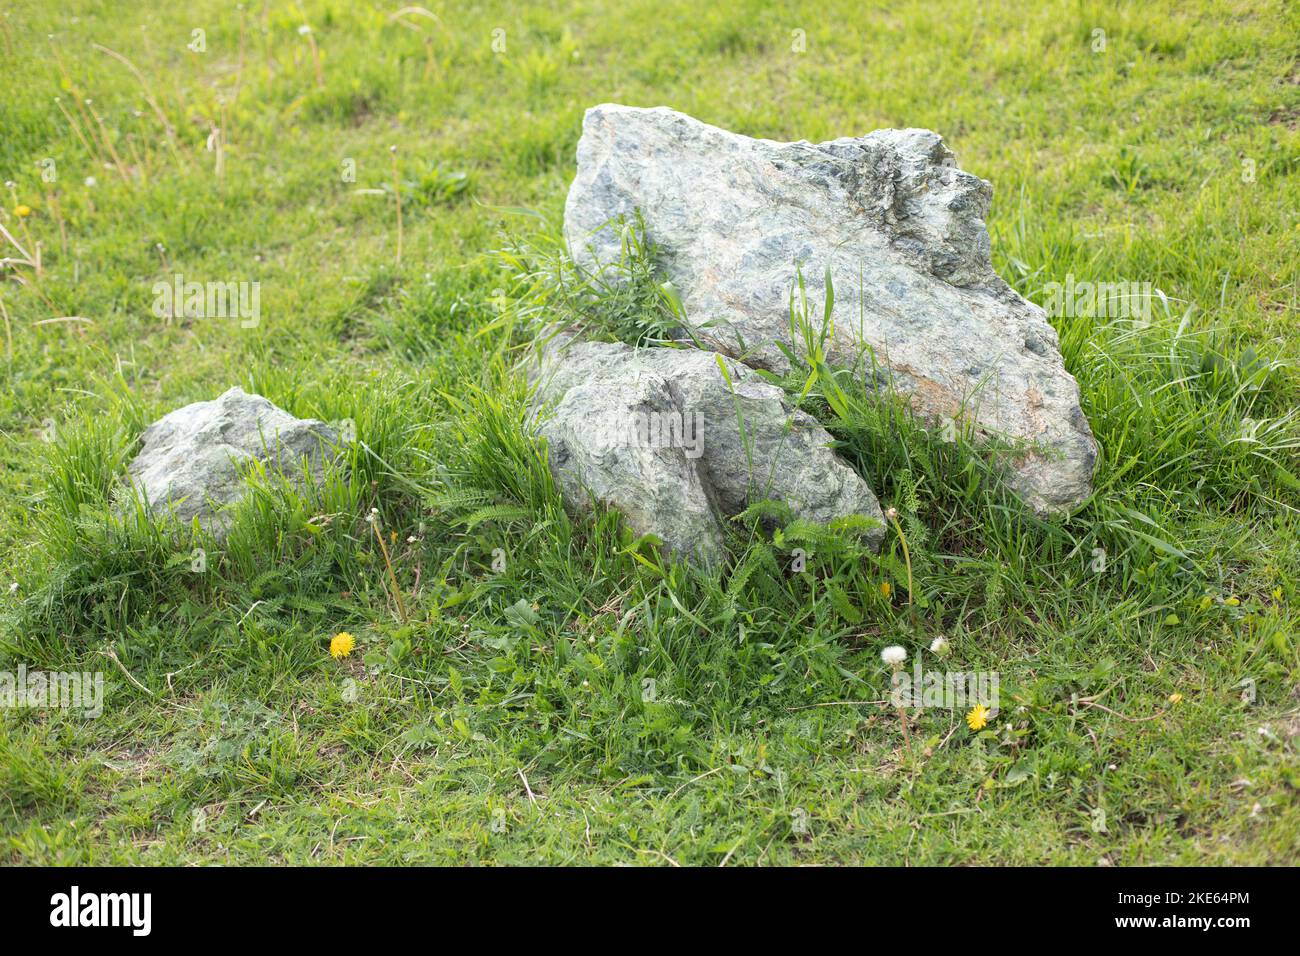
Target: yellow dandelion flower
[1175, 698]
[1232, 601]
[886, 589]
[978, 717]
[341, 645]
[22, 212]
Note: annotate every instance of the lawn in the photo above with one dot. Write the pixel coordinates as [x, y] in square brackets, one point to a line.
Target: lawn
[530, 687]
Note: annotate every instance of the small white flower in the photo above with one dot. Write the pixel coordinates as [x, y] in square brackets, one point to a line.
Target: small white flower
[939, 645]
[92, 182]
[304, 29]
[893, 655]
[13, 587]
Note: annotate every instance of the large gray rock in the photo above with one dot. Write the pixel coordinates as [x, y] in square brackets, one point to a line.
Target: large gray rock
[657, 434]
[902, 231]
[193, 460]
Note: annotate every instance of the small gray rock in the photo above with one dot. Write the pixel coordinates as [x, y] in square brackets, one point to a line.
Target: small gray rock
[656, 433]
[191, 460]
[901, 230]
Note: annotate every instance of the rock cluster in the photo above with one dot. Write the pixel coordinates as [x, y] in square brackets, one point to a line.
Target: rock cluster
[735, 222]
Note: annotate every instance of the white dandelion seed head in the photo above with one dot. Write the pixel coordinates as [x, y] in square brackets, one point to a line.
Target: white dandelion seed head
[893, 655]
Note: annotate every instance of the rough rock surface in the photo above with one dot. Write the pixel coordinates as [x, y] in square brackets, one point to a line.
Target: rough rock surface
[193, 458]
[902, 231]
[656, 434]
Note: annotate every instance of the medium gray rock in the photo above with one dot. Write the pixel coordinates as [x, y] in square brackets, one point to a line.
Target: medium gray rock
[902, 232]
[656, 433]
[192, 459]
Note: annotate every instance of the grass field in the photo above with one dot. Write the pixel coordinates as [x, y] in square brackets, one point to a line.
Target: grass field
[495, 709]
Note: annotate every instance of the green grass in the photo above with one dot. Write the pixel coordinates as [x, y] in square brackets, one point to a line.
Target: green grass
[507, 719]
